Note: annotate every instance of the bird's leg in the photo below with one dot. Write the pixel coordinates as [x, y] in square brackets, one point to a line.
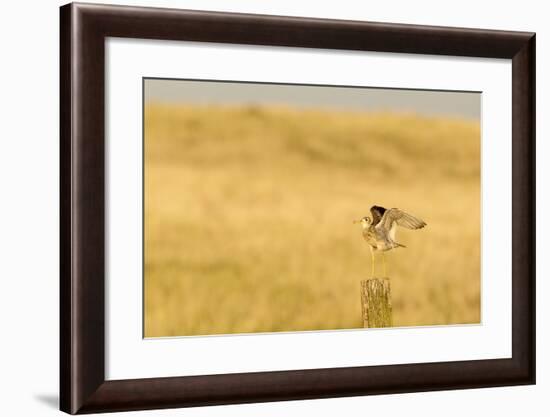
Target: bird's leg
[371, 262]
[384, 260]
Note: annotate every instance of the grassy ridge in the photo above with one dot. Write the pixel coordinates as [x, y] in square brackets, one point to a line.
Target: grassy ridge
[248, 217]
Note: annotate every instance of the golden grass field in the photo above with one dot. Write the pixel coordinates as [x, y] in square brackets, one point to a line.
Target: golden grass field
[249, 210]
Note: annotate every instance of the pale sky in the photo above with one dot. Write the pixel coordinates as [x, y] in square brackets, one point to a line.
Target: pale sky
[426, 102]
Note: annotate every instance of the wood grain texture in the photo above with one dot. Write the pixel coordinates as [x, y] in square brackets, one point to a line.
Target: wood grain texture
[376, 305]
[84, 29]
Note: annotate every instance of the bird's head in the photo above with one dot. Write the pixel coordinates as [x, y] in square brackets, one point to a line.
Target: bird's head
[365, 221]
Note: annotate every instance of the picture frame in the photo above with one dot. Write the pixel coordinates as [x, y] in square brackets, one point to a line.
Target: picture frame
[84, 29]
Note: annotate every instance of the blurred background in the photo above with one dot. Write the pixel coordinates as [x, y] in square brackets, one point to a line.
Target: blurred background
[250, 192]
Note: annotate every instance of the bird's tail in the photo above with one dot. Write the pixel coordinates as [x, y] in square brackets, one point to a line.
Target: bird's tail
[398, 245]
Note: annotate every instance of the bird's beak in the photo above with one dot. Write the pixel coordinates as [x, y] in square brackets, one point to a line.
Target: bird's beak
[356, 221]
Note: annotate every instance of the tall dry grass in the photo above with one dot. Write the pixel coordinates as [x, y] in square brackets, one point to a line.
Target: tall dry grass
[248, 217]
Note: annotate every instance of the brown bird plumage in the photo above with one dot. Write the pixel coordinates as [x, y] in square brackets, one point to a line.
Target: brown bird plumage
[379, 232]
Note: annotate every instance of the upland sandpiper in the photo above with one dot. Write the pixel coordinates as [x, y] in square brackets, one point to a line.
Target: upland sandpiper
[379, 232]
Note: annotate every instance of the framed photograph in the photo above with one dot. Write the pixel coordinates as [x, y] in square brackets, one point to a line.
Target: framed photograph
[264, 208]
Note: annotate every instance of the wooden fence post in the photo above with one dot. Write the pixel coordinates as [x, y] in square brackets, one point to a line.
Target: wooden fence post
[376, 302]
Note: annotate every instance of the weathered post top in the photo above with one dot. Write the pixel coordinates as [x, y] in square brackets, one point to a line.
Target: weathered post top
[376, 302]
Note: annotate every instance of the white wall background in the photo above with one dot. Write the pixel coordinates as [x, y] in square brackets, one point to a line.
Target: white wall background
[29, 205]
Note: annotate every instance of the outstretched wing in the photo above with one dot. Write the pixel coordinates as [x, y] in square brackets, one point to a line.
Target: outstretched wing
[377, 213]
[395, 216]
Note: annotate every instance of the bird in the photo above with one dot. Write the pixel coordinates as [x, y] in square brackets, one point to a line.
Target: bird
[379, 232]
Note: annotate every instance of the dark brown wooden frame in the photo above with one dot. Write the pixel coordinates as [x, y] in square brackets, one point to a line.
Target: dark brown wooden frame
[84, 28]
